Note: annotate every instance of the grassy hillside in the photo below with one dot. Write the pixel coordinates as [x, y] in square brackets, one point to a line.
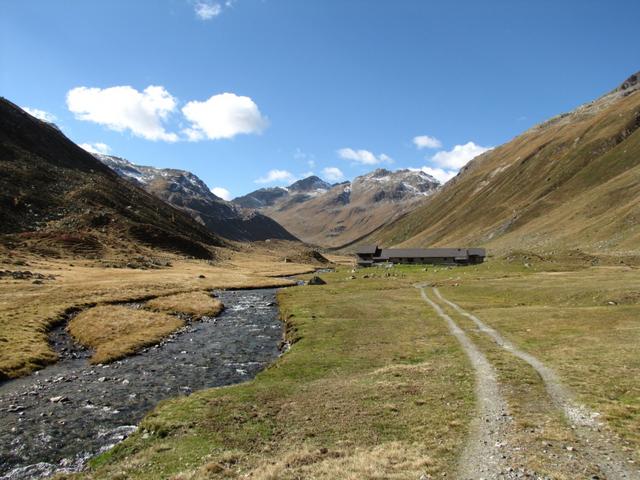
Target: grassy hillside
[572, 182]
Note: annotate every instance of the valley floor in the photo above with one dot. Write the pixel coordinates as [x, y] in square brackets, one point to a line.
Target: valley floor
[30, 304]
[377, 386]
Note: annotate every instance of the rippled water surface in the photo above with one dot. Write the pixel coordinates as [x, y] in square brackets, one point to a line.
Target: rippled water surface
[64, 414]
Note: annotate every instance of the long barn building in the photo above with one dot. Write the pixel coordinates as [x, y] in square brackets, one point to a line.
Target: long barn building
[368, 255]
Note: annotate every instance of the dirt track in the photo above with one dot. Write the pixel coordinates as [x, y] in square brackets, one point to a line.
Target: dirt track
[598, 446]
[485, 454]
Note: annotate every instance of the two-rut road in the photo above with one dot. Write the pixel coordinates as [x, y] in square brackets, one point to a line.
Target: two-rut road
[487, 453]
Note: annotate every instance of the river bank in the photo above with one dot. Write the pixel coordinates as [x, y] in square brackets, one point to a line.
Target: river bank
[57, 418]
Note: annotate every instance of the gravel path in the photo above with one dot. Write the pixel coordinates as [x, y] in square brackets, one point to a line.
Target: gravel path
[56, 419]
[485, 454]
[602, 449]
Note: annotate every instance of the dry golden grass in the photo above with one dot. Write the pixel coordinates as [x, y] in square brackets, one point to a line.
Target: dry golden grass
[390, 460]
[115, 331]
[195, 304]
[27, 310]
[348, 260]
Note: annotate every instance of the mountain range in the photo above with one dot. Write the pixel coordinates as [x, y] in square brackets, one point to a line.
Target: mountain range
[336, 215]
[570, 182]
[187, 192]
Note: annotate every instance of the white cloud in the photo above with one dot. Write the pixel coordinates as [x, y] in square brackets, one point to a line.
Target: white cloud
[223, 193]
[333, 174]
[425, 141]
[208, 10]
[458, 156]
[443, 176]
[97, 147]
[223, 116]
[125, 108]
[365, 157]
[40, 114]
[277, 176]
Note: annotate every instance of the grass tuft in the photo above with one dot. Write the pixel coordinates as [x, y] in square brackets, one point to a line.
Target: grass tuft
[115, 331]
[195, 304]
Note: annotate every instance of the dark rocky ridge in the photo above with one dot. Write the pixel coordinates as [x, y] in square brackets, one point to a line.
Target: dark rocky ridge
[186, 191]
[55, 196]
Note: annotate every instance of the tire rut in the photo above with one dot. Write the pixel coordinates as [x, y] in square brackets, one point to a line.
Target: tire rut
[601, 447]
[484, 455]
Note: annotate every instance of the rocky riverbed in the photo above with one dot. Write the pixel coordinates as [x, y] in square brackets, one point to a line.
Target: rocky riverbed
[55, 419]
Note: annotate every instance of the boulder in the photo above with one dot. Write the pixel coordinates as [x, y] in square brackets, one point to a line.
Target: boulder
[315, 280]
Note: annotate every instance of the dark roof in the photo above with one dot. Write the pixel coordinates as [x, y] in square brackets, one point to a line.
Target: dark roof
[459, 253]
[367, 250]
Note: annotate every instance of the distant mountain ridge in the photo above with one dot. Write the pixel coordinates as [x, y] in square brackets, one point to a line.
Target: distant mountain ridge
[570, 182]
[333, 215]
[304, 189]
[189, 193]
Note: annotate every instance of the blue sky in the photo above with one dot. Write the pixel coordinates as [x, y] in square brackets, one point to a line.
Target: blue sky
[251, 93]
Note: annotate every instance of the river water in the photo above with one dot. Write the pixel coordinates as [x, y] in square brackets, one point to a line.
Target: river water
[56, 419]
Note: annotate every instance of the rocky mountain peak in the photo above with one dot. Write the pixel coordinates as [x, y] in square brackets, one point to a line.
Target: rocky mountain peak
[318, 212]
[188, 192]
[309, 184]
[631, 83]
[409, 181]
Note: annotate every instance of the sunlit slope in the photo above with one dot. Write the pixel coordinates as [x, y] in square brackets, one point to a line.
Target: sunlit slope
[571, 182]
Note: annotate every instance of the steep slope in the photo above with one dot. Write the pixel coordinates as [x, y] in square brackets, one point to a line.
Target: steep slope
[57, 199]
[332, 216]
[571, 182]
[189, 193]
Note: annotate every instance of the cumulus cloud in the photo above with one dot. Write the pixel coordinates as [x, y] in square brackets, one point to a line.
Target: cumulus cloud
[123, 108]
[333, 174]
[97, 147]
[40, 114]
[277, 176]
[223, 193]
[425, 141]
[223, 116]
[207, 10]
[440, 174]
[364, 157]
[449, 162]
[458, 156]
